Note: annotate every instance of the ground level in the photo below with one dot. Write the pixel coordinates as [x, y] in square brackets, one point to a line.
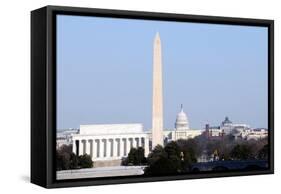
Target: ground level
[100, 172]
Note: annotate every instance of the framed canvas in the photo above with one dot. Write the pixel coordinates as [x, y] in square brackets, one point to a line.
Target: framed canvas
[126, 96]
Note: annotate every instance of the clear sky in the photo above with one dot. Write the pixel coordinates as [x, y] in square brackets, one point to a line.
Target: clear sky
[104, 72]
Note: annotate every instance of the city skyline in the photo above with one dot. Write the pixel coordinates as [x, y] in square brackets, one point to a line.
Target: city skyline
[235, 85]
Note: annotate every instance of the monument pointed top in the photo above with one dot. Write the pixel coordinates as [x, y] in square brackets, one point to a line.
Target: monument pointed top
[157, 36]
[181, 107]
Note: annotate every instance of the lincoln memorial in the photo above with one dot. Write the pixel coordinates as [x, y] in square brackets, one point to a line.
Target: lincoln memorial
[109, 141]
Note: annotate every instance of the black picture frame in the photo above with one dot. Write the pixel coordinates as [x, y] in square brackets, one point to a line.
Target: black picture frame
[43, 92]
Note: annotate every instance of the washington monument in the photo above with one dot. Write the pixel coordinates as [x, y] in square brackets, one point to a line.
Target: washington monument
[157, 94]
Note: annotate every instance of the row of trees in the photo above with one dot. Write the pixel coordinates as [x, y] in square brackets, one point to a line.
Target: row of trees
[229, 149]
[66, 159]
[178, 157]
[247, 152]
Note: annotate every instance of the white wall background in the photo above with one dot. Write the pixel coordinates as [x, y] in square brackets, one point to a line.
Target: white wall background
[15, 94]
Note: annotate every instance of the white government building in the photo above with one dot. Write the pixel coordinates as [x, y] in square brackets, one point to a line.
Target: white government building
[182, 130]
[110, 141]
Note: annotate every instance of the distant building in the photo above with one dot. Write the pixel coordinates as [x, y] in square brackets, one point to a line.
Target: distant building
[259, 133]
[228, 127]
[64, 137]
[213, 132]
[238, 131]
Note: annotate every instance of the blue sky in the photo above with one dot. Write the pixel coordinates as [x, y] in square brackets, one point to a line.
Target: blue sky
[104, 72]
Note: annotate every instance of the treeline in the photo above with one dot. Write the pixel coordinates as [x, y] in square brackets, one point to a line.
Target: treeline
[67, 160]
[231, 149]
[178, 157]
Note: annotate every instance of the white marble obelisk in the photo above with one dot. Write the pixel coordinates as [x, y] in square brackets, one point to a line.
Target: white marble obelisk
[157, 95]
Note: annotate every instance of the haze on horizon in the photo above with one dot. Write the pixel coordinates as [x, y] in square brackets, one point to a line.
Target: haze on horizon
[104, 72]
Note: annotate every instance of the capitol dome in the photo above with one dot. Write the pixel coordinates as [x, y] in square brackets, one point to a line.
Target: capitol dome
[181, 121]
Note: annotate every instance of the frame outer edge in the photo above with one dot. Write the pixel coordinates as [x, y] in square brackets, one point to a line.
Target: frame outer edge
[51, 87]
